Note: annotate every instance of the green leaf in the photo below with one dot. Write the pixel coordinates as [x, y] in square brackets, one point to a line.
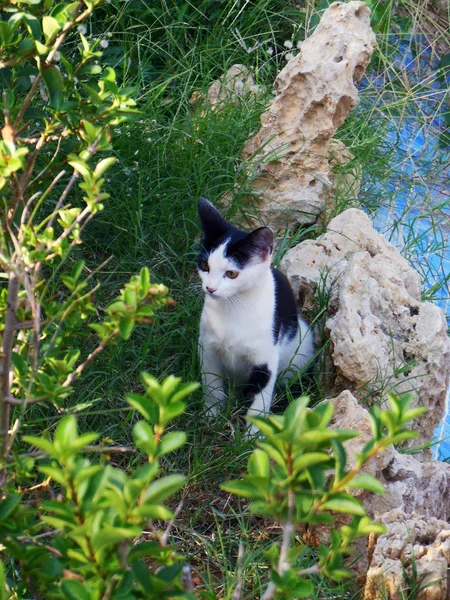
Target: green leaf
[50, 27]
[171, 411]
[401, 436]
[77, 269]
[345, 504]
[184, 390]
[144, 279]
[74, 590]
[163, 488]
[273, 452]
[81, 167]
[109, 536]
[8, 506]
[367, 482]
[142, 405]
[152, 511]
[33, 26]
[41, 48]
[3, 593]
[413, 413]
[66, 432]
[54, 82]
[171, 442]
[126, 326]
[244, 489]
[55, 473]
[316, 436]
[340, 458]
[258, 464]
[41, 443]
[303, 589]
[148, 549]
[103, 165]
[144, 437]
[263, 425]
[310, 459]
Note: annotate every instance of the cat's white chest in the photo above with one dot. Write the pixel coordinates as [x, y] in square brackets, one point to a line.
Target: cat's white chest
[239, 335]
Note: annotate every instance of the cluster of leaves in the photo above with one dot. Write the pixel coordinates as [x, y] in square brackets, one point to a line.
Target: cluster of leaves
[79, 543]
[299, 475]
[58, 104]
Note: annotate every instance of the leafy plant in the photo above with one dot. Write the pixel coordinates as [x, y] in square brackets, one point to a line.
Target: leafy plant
[58, 105]
[80, 542]
[299, 475]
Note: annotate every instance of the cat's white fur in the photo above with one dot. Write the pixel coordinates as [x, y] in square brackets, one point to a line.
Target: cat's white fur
[236, 332]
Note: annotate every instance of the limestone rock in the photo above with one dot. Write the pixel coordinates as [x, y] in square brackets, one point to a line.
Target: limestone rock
[237, 81]
[410, 540]
[412, 486]
[383, 336]
[292, 153]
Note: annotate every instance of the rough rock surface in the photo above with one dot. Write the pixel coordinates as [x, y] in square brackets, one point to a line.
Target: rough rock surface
[410, 540]
[292, 152]
[237, 81]
[383, 336]
[412, 486]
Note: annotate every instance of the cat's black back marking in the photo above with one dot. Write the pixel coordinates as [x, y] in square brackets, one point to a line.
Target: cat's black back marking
[285, 319]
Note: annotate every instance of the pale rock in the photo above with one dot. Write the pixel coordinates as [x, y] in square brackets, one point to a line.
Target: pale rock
[410, 542]
[293, 155]
[411, 485]
[352, 231]
[383, 337]
[237, 81]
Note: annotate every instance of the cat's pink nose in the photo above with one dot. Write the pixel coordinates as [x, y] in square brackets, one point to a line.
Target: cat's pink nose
[211, 290]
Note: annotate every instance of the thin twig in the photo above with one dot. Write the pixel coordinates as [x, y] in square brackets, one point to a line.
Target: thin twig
[283, 563]
[25, 401]
[99, 449]
[28, 99]
[5, 360]
[240, 563]
[71, 378]
[186, 579]
[165, 536]
[63, 197]
[12, 434]
[98, 269]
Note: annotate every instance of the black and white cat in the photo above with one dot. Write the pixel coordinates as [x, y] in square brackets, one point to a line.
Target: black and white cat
[249, 330]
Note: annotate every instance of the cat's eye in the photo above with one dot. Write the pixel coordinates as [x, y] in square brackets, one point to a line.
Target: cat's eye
[231, 274]
[204, 266]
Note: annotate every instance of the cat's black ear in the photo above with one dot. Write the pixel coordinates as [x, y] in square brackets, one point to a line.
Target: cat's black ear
[213, 224]
[261, 241]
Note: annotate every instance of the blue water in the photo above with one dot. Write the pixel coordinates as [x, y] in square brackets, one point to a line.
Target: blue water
[418, 174]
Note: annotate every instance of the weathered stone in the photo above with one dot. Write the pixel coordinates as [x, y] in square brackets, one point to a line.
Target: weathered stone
[292, 153]
[383, 336]
[237, 81]
[411, 542]
[411, 485]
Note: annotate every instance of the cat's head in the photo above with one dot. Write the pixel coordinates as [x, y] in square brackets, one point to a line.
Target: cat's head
[231, 261]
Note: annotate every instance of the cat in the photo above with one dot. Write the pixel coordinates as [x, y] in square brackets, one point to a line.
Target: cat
[250, 330]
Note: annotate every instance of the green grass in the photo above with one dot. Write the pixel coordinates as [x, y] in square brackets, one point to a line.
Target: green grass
[169, 157]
